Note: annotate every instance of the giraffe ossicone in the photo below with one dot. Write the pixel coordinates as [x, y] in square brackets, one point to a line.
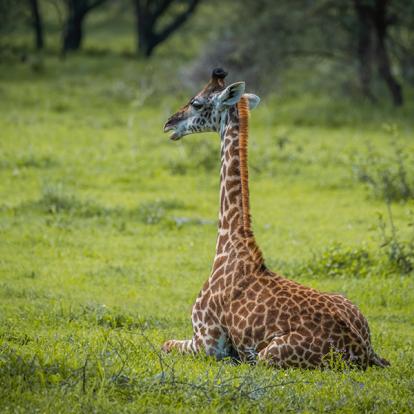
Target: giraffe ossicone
[244, 309]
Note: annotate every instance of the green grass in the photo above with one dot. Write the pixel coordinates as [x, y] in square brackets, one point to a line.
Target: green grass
[107, 232]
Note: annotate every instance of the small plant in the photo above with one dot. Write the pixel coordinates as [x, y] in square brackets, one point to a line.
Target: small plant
[336, 360]
[282, 141]
[198, 155]
[154, 212]
[390, 179]
[110, 319]
[337, 261]
[55, 200]
[399, 253]
[27, 161]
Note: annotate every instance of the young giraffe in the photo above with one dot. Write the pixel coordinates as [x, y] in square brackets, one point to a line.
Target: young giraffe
[244, 309]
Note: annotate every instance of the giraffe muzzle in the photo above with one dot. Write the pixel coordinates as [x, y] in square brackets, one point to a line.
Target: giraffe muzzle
[175, 134]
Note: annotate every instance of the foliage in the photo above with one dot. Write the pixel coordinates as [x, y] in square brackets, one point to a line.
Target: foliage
[111, 366]
[325, 35]
[54, 200]
[400, 253]
[338, 261]
[194, 156]
[155, 212]
[11, 13]
[149, 14]
[390, 178]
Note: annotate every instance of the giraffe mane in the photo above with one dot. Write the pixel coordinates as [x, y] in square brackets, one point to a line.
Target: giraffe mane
[243, 109]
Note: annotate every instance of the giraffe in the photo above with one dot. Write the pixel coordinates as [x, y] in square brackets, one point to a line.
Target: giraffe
[244, 309]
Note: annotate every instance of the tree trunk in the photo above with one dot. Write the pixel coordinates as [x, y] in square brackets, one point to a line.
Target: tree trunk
[147, 13]
[144, 22]
[72, 36]
[73, 32]
[383, 61]
[364, 49]
[37, 24]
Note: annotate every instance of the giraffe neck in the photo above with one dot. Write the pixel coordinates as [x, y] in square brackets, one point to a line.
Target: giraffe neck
[235, 236]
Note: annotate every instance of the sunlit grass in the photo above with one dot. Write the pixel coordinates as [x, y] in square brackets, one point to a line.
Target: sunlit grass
[107, 232]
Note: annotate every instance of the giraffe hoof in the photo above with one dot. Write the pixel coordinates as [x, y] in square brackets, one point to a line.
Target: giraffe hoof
[167, 347]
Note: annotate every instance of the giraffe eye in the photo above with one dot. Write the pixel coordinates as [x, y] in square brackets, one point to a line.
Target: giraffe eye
[196, 104]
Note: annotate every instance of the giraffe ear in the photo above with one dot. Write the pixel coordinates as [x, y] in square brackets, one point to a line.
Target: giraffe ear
[254, 100]
[232, 94]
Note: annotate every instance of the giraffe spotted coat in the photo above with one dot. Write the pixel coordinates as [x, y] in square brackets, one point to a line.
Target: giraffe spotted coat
[244, 309]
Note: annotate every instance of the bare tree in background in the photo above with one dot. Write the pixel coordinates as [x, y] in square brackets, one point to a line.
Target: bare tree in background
[149, 12]
[14, 16]
[364, 46]
[373, 23]
[374, 36]
[73, 29]
[37, 24]
[381, 22]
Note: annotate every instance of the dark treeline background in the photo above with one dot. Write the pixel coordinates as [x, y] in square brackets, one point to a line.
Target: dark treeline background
[359, 48]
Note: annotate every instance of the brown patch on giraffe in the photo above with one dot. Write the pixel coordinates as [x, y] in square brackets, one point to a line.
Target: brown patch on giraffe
[242, 324]
[243, 312]
[259, 332]
[233, 171]
[260, 308]
[220, 262]
[272, 316]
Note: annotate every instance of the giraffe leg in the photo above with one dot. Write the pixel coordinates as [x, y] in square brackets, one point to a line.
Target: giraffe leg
[294, 350]
[183, 347]
[210, 338]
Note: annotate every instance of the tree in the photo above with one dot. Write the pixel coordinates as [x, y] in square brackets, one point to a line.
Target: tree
[381, 23]
[149, 12]
[14, 16]
[72, 32]
[374, 21]
[364, 46]
[333, 37]
[37, 24]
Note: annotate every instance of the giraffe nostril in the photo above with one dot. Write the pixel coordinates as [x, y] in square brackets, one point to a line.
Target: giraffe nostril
[172, 121]
[169, 125]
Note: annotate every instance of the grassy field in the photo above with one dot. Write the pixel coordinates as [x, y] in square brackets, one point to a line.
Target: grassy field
[107, 232]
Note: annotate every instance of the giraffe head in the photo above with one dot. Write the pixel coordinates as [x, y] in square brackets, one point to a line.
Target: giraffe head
[204, 112]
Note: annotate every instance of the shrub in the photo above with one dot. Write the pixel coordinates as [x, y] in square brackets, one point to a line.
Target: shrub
[334, 261]
[27, 161]
[398, 253]
[337, 260]
[153, 212]
[55, 200]
[198, 155]
[387, 178]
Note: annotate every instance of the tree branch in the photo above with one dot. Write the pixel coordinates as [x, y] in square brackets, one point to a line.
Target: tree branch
[177, 22]
[92, 5]
[163, 6]
[317, 53]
